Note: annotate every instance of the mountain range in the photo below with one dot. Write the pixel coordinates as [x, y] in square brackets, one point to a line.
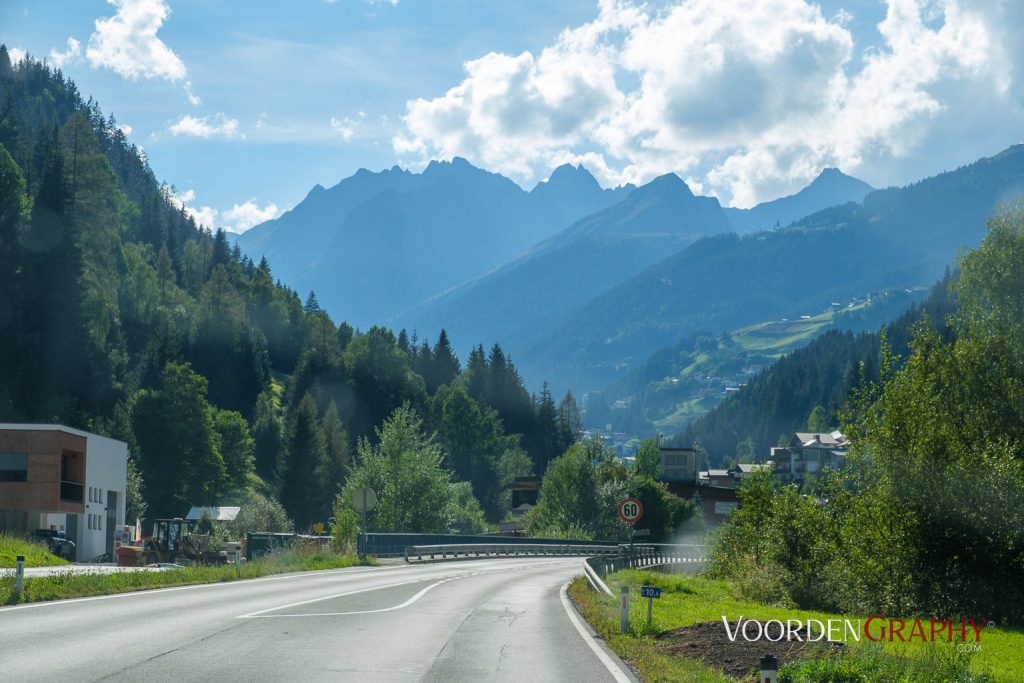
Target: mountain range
[458, 247]
[398, 237]
[895, 238]
[581, 283]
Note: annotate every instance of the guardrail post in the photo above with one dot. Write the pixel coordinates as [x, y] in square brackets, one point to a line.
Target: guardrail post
[624, 609]
[19, 575]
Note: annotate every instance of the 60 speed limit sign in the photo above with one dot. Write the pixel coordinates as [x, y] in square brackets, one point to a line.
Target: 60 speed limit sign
[630, 510]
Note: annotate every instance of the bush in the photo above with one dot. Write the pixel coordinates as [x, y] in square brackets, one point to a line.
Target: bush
[871, 664]
[345, 529]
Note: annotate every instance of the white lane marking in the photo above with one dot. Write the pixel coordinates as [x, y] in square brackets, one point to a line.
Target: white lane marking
[251, 615]
[263, 613]
[220, 584]
[343, 614]
[613, 668]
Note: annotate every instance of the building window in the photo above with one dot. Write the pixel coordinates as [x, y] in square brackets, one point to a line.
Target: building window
[13, 467]
[90, 497]
[88, 521]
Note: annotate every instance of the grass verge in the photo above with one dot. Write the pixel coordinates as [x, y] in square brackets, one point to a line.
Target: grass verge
[36, 553]
[688, 600]
[66, 585]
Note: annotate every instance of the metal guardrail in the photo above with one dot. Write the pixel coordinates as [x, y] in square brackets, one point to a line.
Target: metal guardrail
[455, 550]
[641, 556]
[394, 544]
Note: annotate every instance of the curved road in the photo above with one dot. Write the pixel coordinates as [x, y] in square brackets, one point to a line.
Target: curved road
[495, 619]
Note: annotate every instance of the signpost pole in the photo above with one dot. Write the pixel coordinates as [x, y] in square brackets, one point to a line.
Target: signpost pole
[238, 560]
[624, 610]
[650, 606]
[19, 579]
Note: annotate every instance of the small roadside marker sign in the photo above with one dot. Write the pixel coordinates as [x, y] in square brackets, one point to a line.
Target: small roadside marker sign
[650, 592]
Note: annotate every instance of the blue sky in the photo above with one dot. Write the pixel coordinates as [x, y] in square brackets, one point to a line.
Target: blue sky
[243, 107]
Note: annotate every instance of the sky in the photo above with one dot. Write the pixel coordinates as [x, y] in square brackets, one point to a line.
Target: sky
[244, 106]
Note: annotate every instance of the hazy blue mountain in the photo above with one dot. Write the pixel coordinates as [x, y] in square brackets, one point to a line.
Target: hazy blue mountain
[564, 272]
[295, 241]
[899, 237]
[396, 237]
[832, 187]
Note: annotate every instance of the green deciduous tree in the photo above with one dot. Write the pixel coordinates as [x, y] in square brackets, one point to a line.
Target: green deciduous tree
[180, 456]
[237, 446]
[405, 469]
[648, 459]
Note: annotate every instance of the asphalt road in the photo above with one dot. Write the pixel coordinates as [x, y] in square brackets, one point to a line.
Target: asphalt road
[478, 620]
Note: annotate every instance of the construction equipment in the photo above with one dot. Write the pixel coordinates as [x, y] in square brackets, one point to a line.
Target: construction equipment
[176, 541]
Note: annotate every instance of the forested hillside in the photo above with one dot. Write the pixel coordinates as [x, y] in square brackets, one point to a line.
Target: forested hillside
[809, 388]
[118, 314]
[680, 384]
[896, 238]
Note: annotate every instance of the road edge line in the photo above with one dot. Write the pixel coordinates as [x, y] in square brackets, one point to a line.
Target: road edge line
[616, 667]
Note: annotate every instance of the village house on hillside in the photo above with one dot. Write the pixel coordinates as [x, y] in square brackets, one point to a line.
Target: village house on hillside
[808, 453]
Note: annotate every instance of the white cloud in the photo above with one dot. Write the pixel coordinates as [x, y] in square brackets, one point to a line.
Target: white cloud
[206, 126]
[190, 95]
[345, 127]
[241, 217]
[16, 54]
[127, 44]
[126, 129]
[72, 54]
[748, 99]
[237, 219]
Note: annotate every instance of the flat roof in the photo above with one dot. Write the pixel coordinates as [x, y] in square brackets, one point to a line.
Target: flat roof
[30, 427]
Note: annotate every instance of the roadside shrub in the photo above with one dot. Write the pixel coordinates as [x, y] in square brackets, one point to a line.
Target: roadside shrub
[345, 529]
[872, 664]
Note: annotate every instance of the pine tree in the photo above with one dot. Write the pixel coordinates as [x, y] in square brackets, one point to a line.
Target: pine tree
[338, 460]
[570, 421]
[476, 376]
[547, 434]
[302, 493]
[312, 305]
[5, 63]
[221, 251]
[268, 433]
[445, 366]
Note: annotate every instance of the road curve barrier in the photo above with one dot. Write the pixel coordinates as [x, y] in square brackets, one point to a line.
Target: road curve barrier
[451, 551]
[678, 556]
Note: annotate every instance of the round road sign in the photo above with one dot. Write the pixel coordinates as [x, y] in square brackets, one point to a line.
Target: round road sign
[630, 510]
[364, 499]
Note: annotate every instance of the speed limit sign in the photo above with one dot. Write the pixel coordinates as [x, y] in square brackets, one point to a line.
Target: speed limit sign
[630, 510]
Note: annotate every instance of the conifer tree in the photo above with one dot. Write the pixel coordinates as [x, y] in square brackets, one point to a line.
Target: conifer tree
[445, 365]
[302, 491]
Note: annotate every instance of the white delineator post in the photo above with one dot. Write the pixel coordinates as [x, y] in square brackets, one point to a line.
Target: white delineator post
[238, 561]
[19, 575]
[769, 669]
[624, 609]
